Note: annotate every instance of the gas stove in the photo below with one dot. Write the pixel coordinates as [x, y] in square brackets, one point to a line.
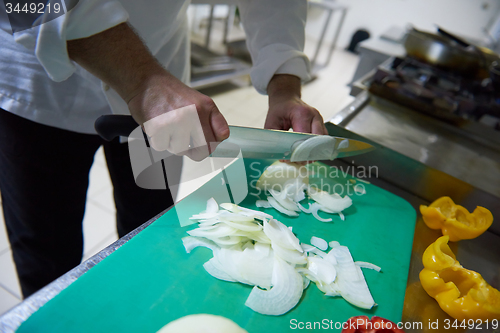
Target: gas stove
[439, 93]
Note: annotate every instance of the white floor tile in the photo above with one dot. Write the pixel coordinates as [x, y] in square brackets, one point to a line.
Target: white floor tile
[4, 242]
[104, 199]
[7, 301]
[8, 275]
[99, 179]
[99, 158]
[97, 225]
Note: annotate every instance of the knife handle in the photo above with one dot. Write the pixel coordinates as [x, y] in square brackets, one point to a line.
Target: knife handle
[113, 125]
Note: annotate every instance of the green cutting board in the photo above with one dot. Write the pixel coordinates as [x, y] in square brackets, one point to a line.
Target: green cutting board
[151, 280]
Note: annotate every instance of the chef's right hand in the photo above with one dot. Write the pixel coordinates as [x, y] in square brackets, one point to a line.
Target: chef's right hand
[178, 118]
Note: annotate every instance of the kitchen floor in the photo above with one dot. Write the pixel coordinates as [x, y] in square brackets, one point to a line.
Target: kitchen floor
[240, 105]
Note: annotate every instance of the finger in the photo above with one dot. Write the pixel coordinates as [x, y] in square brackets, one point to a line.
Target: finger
[318, 127]
[160, 141]
[302, 124]
[219, 125]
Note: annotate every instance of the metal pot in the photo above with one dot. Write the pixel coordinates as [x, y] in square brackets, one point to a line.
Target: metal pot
[444, 53]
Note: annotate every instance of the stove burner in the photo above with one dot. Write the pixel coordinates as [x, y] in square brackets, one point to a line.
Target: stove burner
[442, 94]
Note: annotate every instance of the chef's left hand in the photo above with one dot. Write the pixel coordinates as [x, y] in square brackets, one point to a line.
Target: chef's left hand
[287, 110]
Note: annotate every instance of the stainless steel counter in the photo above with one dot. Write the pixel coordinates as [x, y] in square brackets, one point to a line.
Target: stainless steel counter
[421, 159]
[432, 142]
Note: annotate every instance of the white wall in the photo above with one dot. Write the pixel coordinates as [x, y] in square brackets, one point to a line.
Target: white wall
[464, 17]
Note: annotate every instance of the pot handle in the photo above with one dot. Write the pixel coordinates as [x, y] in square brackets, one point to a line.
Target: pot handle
[111, 126]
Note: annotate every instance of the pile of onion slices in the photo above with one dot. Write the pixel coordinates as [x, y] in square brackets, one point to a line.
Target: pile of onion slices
[251, 247]
[286, 183]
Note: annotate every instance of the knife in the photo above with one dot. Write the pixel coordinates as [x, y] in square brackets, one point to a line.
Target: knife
[256, 143]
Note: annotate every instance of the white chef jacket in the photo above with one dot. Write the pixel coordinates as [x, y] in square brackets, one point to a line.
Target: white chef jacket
[39, 82]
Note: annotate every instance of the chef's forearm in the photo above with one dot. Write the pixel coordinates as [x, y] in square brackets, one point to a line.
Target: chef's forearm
[118, 57]
[283, 86]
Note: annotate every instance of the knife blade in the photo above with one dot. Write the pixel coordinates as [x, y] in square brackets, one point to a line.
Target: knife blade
[253, 142]
[275, 144]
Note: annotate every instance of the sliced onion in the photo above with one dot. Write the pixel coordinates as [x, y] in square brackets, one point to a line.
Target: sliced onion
[320, 243]
[305, 210]
[250, 227]
[264, 249]
[290, 256]
[324, 270]
[283, 200]
[217, 231]
[283, 296]
[227, 241]
[245, 211]
[359, 190]
[191, 243]
[343, 144]
[216, 272]
[263, 204]
[350, 280]
[312, 249]
[279, 173]
[321, 147]
[306, 282]
[280, 208]
[256, 268]
[333, 202]
[212, 206]
[330, 289]
[330, 257]
[255, 236]
[279, 234]
[294, 189]
[308, 274]
[334, 244]
[314, 210]
[364, 264]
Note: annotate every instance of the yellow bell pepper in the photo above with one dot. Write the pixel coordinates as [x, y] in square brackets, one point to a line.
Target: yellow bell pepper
[455, 220]
[461, 293]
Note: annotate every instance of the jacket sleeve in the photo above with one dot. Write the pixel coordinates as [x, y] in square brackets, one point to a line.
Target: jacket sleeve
[275, 39]
[48, 40]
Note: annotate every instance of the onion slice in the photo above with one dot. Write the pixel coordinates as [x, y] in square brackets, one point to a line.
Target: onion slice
[321, 147]
[245, 211]
[320, 243]
[191, 243]
[364, 264]
[263, 204]
[323, 269]
[279, 233]
[350, 280]
[314, 210]
[283, 296]
[216, 272]
[283, 200]
[280, 208]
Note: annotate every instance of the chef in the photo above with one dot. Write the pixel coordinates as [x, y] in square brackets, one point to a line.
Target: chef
[116, 56]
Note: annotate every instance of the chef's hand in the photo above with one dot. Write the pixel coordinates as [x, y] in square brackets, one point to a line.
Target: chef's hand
[287, 110]
[118, 57]
[177, 118]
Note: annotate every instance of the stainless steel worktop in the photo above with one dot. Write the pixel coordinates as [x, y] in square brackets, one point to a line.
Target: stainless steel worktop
[421, 159]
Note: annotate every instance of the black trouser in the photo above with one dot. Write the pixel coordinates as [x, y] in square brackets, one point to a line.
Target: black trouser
[43, 181]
